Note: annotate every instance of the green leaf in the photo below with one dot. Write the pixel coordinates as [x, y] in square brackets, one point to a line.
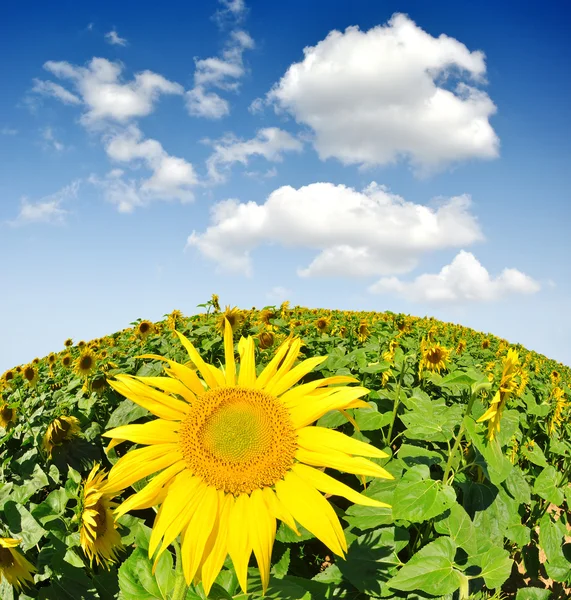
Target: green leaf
[418, 498]
[509, 425]
[136, 580]
[546, 486]
[431, 421]
[533, 593]
[460, 528]
[496, 567]
[551, 537]
[37, 481]
[559, 569]
[517, 486]
[371, 420]
[535, 455]
[125, 413]
[288, 536]
[418, 455]
[431, 570]
[498, 467]
[279, 570]
[23, 525]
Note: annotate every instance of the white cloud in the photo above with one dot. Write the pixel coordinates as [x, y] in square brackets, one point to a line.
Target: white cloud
[232, 12]
[51, 141]
[221, 72]
[270, 143]
[259, 175]
[279, 294]
[112, 37]
[48, 209]
[465, 279]
[124, 194]
[356, 234]
[206, 104]
[393, 92]
[49, 88]
[172, 177]
[8, 131]
[103, 94]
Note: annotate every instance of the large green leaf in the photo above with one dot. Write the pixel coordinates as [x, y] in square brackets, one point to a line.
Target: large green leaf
[431, 570]
[533, 593]
[498, 467]
[496, 567]
[418, 498]
[458, 525]
[431, 421]
[137, 582]
[23, 525]
[125, 413]
[546, 486]
[517, 486]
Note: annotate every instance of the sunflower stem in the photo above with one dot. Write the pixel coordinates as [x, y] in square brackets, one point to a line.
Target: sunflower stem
[388, 440]
[180, 587]
[459, 438]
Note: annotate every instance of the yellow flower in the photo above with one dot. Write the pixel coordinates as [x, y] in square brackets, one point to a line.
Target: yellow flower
[558, 395]
[508, 385]
[215, 301]
[266, 339]
[322, 324]
[234, 317]
[66, 360]
[60, 430]
[232, 453]
[98, 534]
[68, 343]
[13, 566]
[7, 415]
[85, 362]
[144, 329]
[363, 331]
[31, 375]
[434, 356]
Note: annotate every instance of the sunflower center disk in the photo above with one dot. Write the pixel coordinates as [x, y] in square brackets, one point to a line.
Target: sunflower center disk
[6, 558]
[238, 439]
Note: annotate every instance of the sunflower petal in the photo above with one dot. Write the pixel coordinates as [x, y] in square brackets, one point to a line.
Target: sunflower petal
[329, 485]
[310, 509]
[342, 462]
[271, 368]
[212, 380]
[157, 431]
[262, 526]
[279, 385]
[278, 510]
[320, 439]
[298, 393]
[168, 384]
[239, 545]
[187, 375]
[229, 361]
[247, 373]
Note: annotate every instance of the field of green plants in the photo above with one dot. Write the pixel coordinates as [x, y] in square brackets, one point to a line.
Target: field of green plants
[475, 431]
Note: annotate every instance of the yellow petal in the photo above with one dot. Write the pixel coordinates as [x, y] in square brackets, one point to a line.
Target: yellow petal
[215, 560]
[320, 439]
[310, 509]
[230, 363]
[188, 376]
[152, 493]
[342, 462]
[173, 386]
[329, 485]
[247, 374]
[305, 413]
[239, 545]
[198, 532]
[271, 368]
[298, 393]
[153, 432]
[279, 385]
[140, 463]
[262, 527]
[211, 379]
[278, 510]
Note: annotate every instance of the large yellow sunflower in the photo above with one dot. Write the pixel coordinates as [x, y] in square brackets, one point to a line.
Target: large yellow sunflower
[98, 535]
[235, 452]
[13, 566]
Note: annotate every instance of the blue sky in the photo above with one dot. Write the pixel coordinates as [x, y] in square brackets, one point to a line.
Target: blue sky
[402, 156]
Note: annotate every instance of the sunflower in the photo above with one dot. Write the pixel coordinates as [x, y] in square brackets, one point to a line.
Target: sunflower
[8, 376]
[434, 357]
[51, 358]
[266, 315]
[60, 430]
[363, 331]
[31, 375]
[322, 324]
[81, 344]
[508, 385]
[215, 301]
[98, 384]
[66, 360]
[85, 362]
[233, 315]
[557, 395]
[234, 452]
[485, 344]
[68, 343]
[144, 329]
[13, 566]
[98, 533]
[461, 346]
[266, 339]
[7, 415]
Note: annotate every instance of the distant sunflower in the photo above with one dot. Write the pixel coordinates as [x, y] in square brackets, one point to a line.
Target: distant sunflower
[434, 357]
[266, 315]
[68, 343]
[215, 301]
[234, 317]
[66, 360]
[266, 339]
[7, 415]
[36, 361]
[558, 397]
[322, 324]
[98, 533]
[31, 375]
[51, 358]
[80, 344]
[485, 344]
[236, 457]
[363, 331]
[461, 346]
[14, 568]
[508, 386]
[59, 431]
[85, 363]
[98, 384]
[8, 376]
[145, 329]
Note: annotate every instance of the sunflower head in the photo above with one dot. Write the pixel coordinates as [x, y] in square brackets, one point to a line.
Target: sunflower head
[85, 362]
[68, 343]
[266, 339]
[233, 451]
[234, 316]
[434, 357]
[59, 431]
[31, 375]
[322, 324]
[266, 315]
[144, 329]
[98, 533]
[66, 360]
[81, 344]
[7, 415]
[485, 344]
[215, 301]
[363, 331]
[13, 566]
[8, 376]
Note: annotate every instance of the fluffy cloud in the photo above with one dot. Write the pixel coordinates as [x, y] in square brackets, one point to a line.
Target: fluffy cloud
[220, 72]
[121, 192]
[48, 209]
[270, 143]
[112, 37]
[103, 94]
[232, 12]
[172, 177]
[356, 234]
[465, 279]
[392, 92]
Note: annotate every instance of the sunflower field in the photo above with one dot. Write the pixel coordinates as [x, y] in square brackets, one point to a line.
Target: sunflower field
[286, 453]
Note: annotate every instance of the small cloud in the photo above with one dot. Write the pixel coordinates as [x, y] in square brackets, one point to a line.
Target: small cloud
[206, 104]
[279, 294]
[89, 27]
[465, 279]
[256, 106]
[8, 131]
[51, 141]
[112, 37]
[231, 13]
[48, 209]
[49, 88]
